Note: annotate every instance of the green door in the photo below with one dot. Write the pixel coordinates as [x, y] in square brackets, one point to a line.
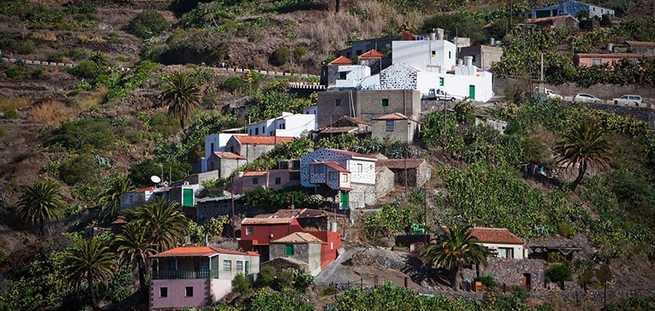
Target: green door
[288, 250]
[344, 199]
[471, 91]
[187, 197]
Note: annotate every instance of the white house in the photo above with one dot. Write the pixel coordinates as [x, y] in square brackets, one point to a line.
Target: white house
[215, 143]
[288, 125]
[349, 76]
[347, 175]
[501, 241]
[429, 65]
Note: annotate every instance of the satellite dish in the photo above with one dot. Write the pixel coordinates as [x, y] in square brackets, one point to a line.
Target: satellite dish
[155, 179]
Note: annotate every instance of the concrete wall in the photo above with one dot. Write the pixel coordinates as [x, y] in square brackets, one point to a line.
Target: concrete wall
[457, 84]
[224, 167]
[404, 130]
[519, 251]
[361, 171]
[362, 195]
[603, 91]
[385, 182]
[309, 253]
[425, 54]
[245, 184]
[483, 55]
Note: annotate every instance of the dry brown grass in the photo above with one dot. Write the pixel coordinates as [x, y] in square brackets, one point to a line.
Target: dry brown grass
[14, 103]
[365, 19]
[51, 112]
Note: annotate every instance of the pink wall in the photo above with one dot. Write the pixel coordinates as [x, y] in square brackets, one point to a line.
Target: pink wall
[245, 184]
[176, 294]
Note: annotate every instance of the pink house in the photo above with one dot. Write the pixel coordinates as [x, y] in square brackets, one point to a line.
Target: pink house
[196, 276]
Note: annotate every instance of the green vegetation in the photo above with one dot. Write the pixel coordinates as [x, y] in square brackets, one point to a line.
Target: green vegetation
[558, 273]
[271, 201]
[76, 135]
[212, 229]
[121, 86]
[280, 56]
[462, 23]
[81, 168]
[40, 203]
[454, 250]
[181, 94]
[134, 247]
[148, 24]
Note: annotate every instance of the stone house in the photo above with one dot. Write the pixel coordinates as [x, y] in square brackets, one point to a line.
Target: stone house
[348, 177]
[395, 127]
[484, 56]
[366, 105]
[252, 147]
[197, 276]
[225, 162]
[417, 172]
[345, 125]
[301, 248]
[227, 204]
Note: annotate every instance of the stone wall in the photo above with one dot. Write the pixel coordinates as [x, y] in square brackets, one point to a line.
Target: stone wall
[384, 182]
[603, 91]
[512, 272]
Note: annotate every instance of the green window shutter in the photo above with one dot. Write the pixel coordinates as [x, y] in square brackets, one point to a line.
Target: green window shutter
[288, 250]
[344, 200]
[472, 91]
[187, 197]
[441, 81]
[385, 102]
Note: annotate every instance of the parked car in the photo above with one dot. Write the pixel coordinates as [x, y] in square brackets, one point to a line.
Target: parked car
[549, 93]
[586, 98]
[628, 100]
[440, 95]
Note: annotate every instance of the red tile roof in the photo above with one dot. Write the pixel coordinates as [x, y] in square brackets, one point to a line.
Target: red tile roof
[341, 60]
[266, 221]
[401, 163]
[335, 166]
[371, 54]
[201, 251]
[304, 213]
[254, 174]
[495, 235]
[406, 35]
[342, 129]
[353, 154]
[145, 189]
[298, 237]
[392, 116]
[228, 155]
[607, 55]
[262, 140]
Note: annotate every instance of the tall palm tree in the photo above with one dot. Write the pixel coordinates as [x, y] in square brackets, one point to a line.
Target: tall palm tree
[454, 250]
[163, 221]
[135, 248]
[91, 262]
[40, 203]
[584, 146]
[110, 198]
[182, 95]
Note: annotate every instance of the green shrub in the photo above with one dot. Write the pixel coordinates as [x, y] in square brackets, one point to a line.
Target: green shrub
[328, 291]
[234, 84]
[97, 133]
[3, 132]
[566, 230]
[280, 56]
[266, 277]
[25, 46]
[56, 57]
[77, 54]
[462, 23]
[487, 280]
[148, 24]
[298, 53]
[86, 69]
[11, 113]
[287, 300]
[82, 168]
[241, 285]
[558, 273]
[140, 173]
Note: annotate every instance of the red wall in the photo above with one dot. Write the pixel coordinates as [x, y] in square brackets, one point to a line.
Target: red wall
[263, 234]
[328, 254]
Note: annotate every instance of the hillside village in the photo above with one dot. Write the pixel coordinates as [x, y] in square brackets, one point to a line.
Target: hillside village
[327, 155]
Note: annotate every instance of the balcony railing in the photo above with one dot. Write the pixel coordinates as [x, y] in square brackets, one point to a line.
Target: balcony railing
[173, 275]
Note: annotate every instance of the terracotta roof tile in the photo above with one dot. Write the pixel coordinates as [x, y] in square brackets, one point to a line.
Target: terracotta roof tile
[341, 60]
[495, 235]
[201, 251]
[341, 129]
[392, 116]
[266, 221]
[228, 155]
[298, 237]
[406, 35]
[371, 54]
[263, 140]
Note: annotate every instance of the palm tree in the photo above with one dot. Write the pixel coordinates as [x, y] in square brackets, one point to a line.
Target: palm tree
[110, 198]
[164, 223]
[91, 262]
[586, 145]
[182, 95]
[135, 248]
[40, 203]
[454, 250]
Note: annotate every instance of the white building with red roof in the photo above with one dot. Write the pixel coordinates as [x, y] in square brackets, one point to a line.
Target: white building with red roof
[501, 241]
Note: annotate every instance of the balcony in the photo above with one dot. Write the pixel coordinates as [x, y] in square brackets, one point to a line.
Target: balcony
[180, 275]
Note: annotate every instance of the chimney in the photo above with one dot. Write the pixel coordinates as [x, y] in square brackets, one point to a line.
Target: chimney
[610, 47]
[439, 33]
[492, 41]
[459, 62]
[433, 36]
[468, 60]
